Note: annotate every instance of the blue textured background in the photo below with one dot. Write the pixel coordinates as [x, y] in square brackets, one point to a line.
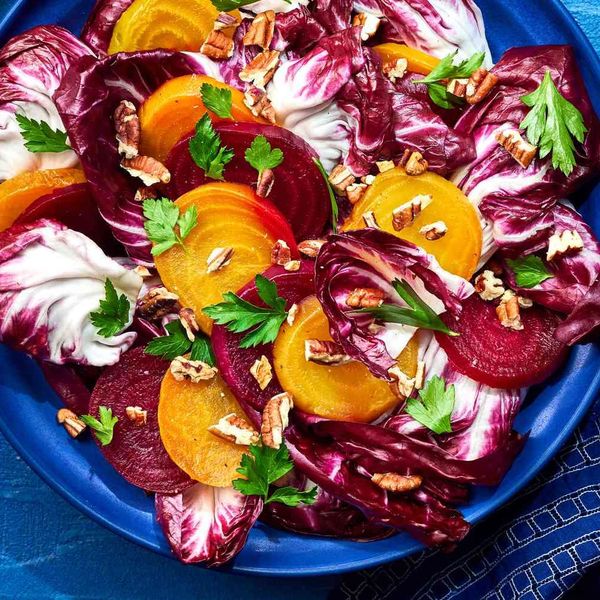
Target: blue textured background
[48, 550]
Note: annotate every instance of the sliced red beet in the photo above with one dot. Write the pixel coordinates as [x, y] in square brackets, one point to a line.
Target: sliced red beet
[234, 362]
[492, 354]
[299, 190]
[136, 451]
[74, 206]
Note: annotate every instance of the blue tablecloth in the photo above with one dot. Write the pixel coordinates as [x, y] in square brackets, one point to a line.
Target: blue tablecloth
[49, 551]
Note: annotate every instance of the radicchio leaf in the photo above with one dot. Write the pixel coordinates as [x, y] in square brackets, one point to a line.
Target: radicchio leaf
[98, 29]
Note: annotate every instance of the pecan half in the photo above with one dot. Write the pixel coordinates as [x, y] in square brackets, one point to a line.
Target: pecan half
[508, 311]
[457, 87]
[291, 317]
[73, 425]
[158, 303]
[127, 126]
[340, 178]
[416, 164]
[370, 220]
[292, 266]
[365, 298]
[264, 183]
[137, 415]
[488, 286]
[324, 352]
[145, 193]
[226, 22]
[184, 369]
[310, 248]
[406, 213]
[517, 146]
[434, 231]
[369, 24]
[187, 318]
[566, 242]
[235, 429]
[148, 169]
[394, 482]
[217, 46]
[355, 191]
[260, 69]
[480, 84]
[218, 259]
[395, 70]
[275, 418]
[261, 30]
[258, 103]
[280, 253]
[262, 372]
[402, 385]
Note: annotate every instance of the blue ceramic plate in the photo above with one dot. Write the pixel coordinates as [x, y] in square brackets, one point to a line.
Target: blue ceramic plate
[82, 476]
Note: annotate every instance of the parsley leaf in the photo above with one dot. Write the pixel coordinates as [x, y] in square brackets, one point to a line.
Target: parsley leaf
[207, 151]
[417, 314]
[113, 314]
[217, 100]
[262, 467]
[177, 343]
[434, 406]
[446, 70]
[162, 217]
[529, 271]
[104, 427]
[335, 211]
[552, 123]
[239, 315]
[261, 156]
[227, 5]
[40, 137]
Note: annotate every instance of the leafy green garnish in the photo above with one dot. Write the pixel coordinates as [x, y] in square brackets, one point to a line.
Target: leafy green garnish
[264, 466]
[40, 137]
[417, 314]
[227, 5]
[445, 71]
[207, 151]
[162, 220]
[433, 408]
[177, 343]
[217, 100]
[261, 156]
[529, 271]
[240, 315]
[103, 428]
[552, 123]
[113, 314]
[335, 211]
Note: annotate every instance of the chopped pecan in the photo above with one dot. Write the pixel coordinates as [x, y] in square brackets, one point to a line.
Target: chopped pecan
[310, 248]
[355, 191]
[148, 169]
[340, 178]
[143, 272]
[127, 126]
[226, 22]
[258, 103]
[416, 164]
[480, 84]
[488, 286]
[217, 46]
[394, 482]
[369, 24]
[264, 184]
[402, 385]
[260, 69]
[368, 179]
[420, 375]
[275, 418]
[525, 302]
[145, 193]
[385, 165]
[187, 318]
[406, 213]
[262, 371]
[395, 70]
[365, 298]
[292, 266]
[434, 231]
[137, 415]
[517, 146]
[291, 317]
[71, 422]
[565, 242]
[280, 253]
[218, 259]
[235, 429]
[324, 352]
[158, 303]
[457, 87]
[261, 30]
[370, 220]
[508, 311]
[183, 369]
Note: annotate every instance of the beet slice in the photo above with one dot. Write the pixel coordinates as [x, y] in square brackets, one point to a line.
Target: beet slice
[234, 362]
[137, 452]
[299, 190]
[494, 355]
[74, 206]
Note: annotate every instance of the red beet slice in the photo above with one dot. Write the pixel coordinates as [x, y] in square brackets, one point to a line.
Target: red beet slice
[76, 208]
[299, 191]
[234, 362]
[500, 357]
[137, 452]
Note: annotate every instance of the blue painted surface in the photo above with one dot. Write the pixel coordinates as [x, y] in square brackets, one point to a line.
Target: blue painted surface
[49, 550]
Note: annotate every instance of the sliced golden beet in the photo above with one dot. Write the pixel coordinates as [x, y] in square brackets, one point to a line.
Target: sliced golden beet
[418, 61]
[346, 392]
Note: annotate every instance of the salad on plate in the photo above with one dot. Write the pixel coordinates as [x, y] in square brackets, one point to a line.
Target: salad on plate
[297, 261]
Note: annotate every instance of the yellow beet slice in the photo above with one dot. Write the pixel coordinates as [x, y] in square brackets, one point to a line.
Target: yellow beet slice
[418, 61]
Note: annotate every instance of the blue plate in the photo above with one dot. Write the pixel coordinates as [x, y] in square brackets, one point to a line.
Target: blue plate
[78, 471]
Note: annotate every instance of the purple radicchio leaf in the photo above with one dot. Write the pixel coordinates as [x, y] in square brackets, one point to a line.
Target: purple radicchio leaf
[583, 324]
[207, 524]
[373, 259]
[332, 15]
[98, 29]
[296, 32]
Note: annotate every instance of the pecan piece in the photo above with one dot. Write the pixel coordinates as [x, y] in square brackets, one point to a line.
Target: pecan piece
[292, 266]
[385, 165]
[508, 311]
[137, 415]
[260, 69]
[261, 30]
[402, 385]
[370, 220]
[340, 178]
[281, 253]
[275, 418]
[264, 183]
[517, 146]
[184, 369]
[258, 103]
[127, 126]
[369, 24]
[143, 272]
[148, 169]
[406, 213]
[73, 425]
[434, 231]
[457, 87]
[394, 482]
[262, 372]
[480, 84]
[218, 259]
[291, 317]
[420, 375]
[235, 429]
[355, 191]
[187, 318]
[365, 298]
[416, 164]
[145, 193]
[395, 70]
[217, 46]
[310, 248]
[158, 303]
[324, 352]
[566, 242]
[488, 286]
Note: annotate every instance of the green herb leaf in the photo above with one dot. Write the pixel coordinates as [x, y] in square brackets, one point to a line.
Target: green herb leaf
[445, 71]
[261, 156]
[40, 137]
[434, 406]
[207, 151]
[162, 219]
[177, 343]
[113, 314]
[103, 428]
[262, 467]
[417, 314]
[239, 315]
[217, 100]
[335, 211]
[227, 5]
[552, 123]
[529, 271]
[202, 350]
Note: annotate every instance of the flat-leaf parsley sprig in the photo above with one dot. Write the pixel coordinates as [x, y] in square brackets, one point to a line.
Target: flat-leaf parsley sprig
[433, 408]
[113, 314]
[218, 100]
[207, 150]
[40, 137]
[176, 343]
[261, 156]
[227, 5]
[103, 428]
[529, 271]
[164, 224]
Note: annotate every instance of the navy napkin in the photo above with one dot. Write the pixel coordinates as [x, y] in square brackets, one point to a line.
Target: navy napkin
[538, 546]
